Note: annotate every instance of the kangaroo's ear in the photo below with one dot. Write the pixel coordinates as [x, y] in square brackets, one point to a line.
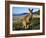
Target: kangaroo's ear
[32, 9]
[29, 9]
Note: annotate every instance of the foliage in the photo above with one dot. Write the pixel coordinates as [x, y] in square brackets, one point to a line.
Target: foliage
[34, 24]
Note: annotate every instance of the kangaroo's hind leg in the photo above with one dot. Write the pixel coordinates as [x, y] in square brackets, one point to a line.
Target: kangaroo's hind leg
[24, 23]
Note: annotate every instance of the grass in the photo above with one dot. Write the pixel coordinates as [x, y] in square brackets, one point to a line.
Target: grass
[34, 25]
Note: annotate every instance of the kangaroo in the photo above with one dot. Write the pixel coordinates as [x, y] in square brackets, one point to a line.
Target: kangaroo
[25, 20]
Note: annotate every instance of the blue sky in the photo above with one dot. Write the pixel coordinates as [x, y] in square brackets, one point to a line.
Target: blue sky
[20, 10]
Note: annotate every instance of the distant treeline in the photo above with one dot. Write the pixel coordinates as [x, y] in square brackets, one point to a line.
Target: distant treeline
[37, 12]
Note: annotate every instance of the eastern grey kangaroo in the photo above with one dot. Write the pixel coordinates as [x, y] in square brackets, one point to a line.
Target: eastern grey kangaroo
[25, 20]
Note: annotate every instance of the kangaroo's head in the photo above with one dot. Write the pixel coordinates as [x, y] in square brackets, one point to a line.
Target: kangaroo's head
[30, 11]
[30, 14]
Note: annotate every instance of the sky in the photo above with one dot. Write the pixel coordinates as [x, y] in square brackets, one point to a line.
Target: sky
[20, 10]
